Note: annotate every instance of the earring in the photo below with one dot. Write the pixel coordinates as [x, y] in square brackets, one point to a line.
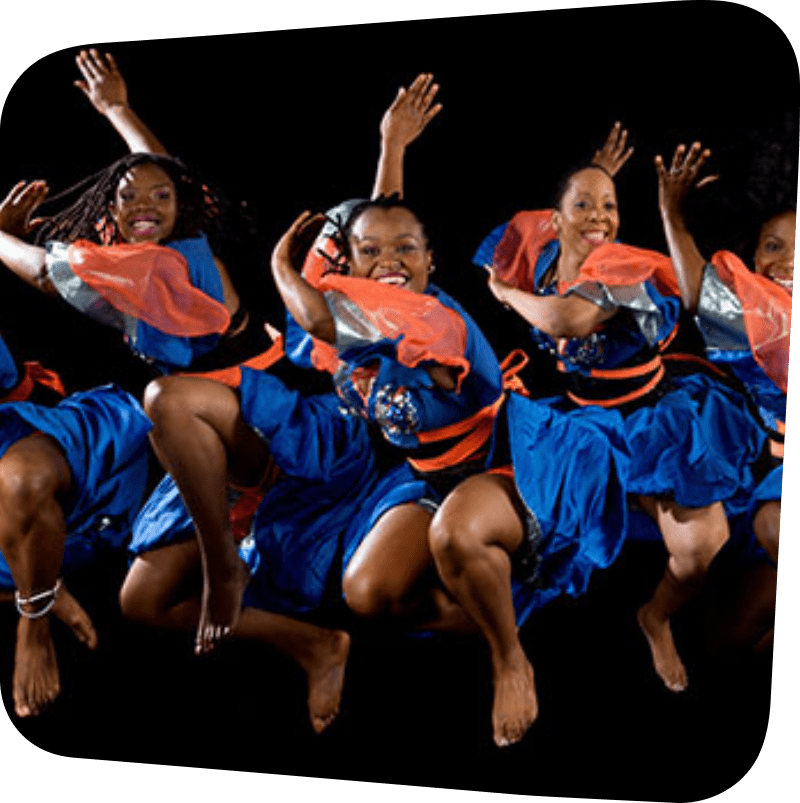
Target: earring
[431, 268]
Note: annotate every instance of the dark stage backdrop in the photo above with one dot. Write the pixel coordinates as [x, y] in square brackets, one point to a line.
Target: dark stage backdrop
[289, 120]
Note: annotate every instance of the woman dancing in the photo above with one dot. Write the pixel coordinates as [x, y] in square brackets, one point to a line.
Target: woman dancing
[594, 305]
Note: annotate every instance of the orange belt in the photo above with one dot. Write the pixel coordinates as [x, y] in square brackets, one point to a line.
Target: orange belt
[477, 430]
[34, 374]
[635, 394]
[620, 373]
[232, 377]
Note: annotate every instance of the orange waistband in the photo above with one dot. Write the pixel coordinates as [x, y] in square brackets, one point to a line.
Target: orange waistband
[618, 400]
[776, 449]
[34, 374]
[477, 429]
[669, 338]
[681, 357]
[621, 373]
[232, 377]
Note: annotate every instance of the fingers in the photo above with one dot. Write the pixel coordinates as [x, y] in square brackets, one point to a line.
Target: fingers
[687, 162]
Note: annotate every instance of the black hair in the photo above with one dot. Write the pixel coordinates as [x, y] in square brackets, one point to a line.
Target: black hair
[89, 215]
[343, 225]
[566, 179]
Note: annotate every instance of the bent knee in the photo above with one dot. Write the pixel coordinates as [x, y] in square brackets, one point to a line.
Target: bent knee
[136, 605]
[767, 526]
[369, 596]
[32, 473]
[164, 398]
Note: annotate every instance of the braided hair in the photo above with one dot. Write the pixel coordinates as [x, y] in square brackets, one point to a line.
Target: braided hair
[89, 215]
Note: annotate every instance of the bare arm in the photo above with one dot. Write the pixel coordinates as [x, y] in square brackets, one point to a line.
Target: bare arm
[305, 303]
[403, 122]
[557, 316]
[105, 87]
[27, 261]
[673, 185]
[20, 257]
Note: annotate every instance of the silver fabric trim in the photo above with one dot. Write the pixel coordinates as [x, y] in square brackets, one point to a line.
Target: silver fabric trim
[633, 297]
[594, 292]
[720, 316]
[352, 326]
[79, 295]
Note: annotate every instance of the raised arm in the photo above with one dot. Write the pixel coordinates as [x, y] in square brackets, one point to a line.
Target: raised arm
[614, 153]
[557, 316]
[305, 303]
[20, 257]
[673, 185]
[403, 122]
[105, 87]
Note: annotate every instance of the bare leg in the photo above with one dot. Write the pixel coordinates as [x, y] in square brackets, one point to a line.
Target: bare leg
[767, 527]
[388, 575]
[201, 439]
[693, 536]
[33, 476]
[745, 616]
[472, 537]
[162, 589]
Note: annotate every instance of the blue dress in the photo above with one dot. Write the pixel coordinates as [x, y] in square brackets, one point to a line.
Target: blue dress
[689, 437]
[103, 436]
[332, 489]
[574, 497]
[720, 319]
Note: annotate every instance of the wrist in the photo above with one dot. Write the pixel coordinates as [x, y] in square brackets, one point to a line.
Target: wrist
[118, 108]
[393, 144]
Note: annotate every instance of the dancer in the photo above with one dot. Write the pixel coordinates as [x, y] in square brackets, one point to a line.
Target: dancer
[407, 357]
[134, 249]
[594, 308]
[408, 115]
[752, 335]
[745, 319]
[74, 470]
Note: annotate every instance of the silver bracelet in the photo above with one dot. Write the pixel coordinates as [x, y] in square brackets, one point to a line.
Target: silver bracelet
[49, 595]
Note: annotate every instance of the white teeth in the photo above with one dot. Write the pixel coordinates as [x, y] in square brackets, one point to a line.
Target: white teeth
[786, 284]
[393, 279]
[595, 236]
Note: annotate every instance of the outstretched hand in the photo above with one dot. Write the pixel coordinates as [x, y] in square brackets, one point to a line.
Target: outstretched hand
[411, 111]
[18, 206]
[103, 83]
[614, 153]
[675, 183]
[297, 240]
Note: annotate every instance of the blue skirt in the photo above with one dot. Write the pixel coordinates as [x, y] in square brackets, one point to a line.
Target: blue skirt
[696, 445]
[103, 436]
[570, 471]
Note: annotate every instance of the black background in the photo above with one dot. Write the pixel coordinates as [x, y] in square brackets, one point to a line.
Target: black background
[289, 120]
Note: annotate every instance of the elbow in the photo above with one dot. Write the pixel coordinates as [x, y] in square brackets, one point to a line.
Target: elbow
[319, 326]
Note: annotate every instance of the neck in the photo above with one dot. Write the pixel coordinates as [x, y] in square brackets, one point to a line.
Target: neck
[567, 267]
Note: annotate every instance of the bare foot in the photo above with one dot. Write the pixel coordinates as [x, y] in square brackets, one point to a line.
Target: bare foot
[221, 605]
[666, 660]
[70, 612]
[36, 682]
[515, 705]
[325, 672]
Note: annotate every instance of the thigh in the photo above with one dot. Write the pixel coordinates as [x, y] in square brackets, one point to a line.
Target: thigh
[164, 575]
[685, 529]
[484, 510]
[395, 552]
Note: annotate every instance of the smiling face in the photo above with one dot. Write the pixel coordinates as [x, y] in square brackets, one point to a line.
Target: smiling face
[774, 256]
[389, 246]
[587, 215]
[145, 205]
